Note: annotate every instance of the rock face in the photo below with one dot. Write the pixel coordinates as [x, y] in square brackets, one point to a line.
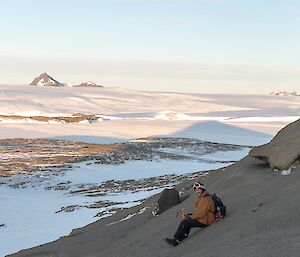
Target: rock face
[46, 80]
[283, 150]
[167, 199]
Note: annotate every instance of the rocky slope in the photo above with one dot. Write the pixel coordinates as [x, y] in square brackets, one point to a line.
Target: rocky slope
[263, 220]
[284, 149]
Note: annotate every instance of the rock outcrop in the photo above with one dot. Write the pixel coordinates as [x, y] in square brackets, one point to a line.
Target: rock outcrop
[283, 150]
[46, 80]
[166, 199]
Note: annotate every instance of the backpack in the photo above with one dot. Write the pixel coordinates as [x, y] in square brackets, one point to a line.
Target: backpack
[220, 208]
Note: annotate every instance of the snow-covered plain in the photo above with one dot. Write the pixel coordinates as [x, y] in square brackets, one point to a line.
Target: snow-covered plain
[141, 114]
[29, 213]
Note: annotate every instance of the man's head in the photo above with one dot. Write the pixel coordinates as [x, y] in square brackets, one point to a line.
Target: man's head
[199, 188]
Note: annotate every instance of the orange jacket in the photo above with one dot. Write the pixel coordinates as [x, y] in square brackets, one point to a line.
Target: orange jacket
[204, 209]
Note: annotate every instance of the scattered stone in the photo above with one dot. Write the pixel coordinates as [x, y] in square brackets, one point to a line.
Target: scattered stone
[106, 213]
[69, 208]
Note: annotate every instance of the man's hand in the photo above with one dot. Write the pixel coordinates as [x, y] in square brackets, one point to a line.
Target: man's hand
[187, 216]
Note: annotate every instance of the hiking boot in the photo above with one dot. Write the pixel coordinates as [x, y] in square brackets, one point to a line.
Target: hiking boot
[173, 241]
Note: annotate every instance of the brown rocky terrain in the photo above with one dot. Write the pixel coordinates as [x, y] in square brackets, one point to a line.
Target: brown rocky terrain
[29, 155]
[75, 118]
[21, 155]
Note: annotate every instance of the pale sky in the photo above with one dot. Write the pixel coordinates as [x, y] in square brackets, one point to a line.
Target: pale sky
[205, 46]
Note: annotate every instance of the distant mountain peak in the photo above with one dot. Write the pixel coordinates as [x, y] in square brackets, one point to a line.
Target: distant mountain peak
[45, 80]
[88, 84]
[285, 93]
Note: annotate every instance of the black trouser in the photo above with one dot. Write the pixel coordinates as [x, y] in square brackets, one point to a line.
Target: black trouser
[185, 227]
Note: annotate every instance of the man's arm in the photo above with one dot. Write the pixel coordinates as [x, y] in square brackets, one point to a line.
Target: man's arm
[202, 209]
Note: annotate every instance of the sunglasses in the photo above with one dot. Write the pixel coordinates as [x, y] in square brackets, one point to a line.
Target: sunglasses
[196, 186]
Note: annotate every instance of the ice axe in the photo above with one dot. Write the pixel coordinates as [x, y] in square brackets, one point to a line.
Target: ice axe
[181, 213]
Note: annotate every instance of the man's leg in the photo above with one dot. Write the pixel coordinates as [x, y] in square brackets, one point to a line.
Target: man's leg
[185, 227]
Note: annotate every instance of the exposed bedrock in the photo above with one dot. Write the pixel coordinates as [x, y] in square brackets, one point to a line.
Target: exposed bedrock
[283, 150]
[166, 199]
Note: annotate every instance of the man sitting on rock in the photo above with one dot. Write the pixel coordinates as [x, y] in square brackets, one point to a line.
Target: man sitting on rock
[202, 216]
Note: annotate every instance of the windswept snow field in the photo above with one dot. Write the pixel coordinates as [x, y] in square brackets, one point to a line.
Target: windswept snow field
[40, 207]
[126, 114]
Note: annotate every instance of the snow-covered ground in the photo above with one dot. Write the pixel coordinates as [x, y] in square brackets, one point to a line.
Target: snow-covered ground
[130, 114]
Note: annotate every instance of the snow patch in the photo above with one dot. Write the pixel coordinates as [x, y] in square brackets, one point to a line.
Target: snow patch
[67, 84]
[286, 172]
[169, 115]
[126, 218]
